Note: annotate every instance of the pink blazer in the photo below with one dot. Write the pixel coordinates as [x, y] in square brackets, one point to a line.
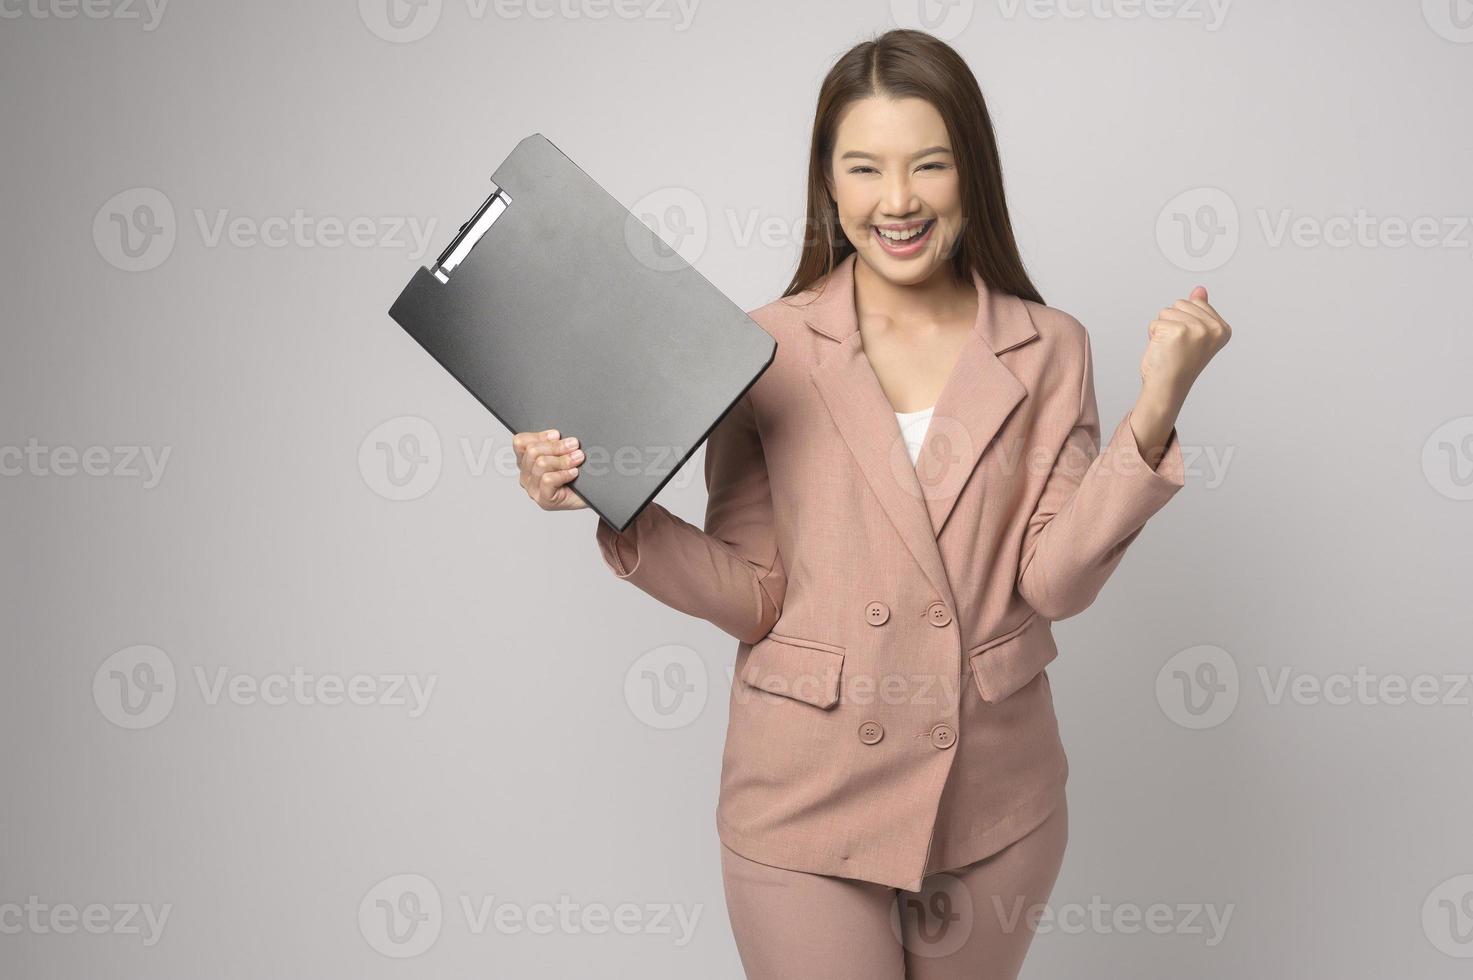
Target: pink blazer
[891, 715]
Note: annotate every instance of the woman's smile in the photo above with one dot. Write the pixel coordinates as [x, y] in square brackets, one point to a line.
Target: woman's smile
[904, 239]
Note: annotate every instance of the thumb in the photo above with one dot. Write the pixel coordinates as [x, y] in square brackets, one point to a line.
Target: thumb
[1200, 293]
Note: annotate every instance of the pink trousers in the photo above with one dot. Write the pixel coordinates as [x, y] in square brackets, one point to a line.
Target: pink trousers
[974, 922]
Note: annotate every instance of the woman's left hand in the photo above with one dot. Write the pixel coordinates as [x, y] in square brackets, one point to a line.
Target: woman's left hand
[1184, 337]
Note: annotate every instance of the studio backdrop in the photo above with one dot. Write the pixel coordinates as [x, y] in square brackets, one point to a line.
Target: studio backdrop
[297, 682]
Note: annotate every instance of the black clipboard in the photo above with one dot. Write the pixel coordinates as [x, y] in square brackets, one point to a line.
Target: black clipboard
[557, 308]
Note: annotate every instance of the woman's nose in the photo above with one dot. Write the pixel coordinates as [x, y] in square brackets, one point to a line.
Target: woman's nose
[899, 198]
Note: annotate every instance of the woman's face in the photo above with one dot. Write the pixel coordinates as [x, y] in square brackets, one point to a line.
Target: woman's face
[894, 180]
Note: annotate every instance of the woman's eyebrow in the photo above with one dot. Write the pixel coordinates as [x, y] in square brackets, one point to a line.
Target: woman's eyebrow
[915, 156]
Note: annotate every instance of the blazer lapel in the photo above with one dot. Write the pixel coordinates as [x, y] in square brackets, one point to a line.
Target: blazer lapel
[976, 400]
[978, 397]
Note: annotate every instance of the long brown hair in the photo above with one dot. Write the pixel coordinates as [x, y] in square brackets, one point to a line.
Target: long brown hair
[898, 64]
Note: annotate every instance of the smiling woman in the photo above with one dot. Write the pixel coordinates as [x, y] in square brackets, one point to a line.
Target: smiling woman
[884, 161]
[898, 510]
[893, 181]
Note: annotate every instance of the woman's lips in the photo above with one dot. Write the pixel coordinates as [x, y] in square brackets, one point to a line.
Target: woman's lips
[908, 247]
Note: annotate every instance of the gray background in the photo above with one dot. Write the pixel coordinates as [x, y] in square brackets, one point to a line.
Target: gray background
[1334, 541]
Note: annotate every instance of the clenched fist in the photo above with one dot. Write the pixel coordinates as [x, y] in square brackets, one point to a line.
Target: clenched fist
[547, 464]
[1184, 337]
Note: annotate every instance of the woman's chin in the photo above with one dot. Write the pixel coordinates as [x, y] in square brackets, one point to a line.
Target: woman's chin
[903, 272]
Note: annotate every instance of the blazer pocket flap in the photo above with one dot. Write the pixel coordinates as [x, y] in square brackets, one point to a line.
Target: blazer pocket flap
[1005, 663]
[805, 670]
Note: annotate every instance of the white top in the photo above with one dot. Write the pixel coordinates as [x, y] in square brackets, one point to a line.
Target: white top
[913, 429]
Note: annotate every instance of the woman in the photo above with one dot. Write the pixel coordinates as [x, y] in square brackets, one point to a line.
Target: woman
[892, 791]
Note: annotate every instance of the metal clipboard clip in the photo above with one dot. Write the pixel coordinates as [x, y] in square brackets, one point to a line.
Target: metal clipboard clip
[470, 233]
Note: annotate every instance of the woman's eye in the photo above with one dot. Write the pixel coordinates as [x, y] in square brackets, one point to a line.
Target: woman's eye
[862, 169]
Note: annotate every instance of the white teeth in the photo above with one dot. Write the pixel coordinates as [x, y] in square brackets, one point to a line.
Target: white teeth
[902, 236]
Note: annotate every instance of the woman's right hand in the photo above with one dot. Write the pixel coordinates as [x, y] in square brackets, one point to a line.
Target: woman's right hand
[547, 465]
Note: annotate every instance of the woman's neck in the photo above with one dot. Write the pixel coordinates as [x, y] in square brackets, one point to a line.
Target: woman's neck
[938, 299]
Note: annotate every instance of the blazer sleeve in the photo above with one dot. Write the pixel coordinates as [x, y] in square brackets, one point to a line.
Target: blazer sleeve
[729, 574]
[1094, 504]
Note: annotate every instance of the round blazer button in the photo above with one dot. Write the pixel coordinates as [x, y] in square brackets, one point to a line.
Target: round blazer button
[876, 613]
[938, 614]
[871, 732]
[943, 736]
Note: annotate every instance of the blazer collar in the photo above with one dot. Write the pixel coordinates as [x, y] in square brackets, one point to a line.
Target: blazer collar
[979, 395]
[1002, 320]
